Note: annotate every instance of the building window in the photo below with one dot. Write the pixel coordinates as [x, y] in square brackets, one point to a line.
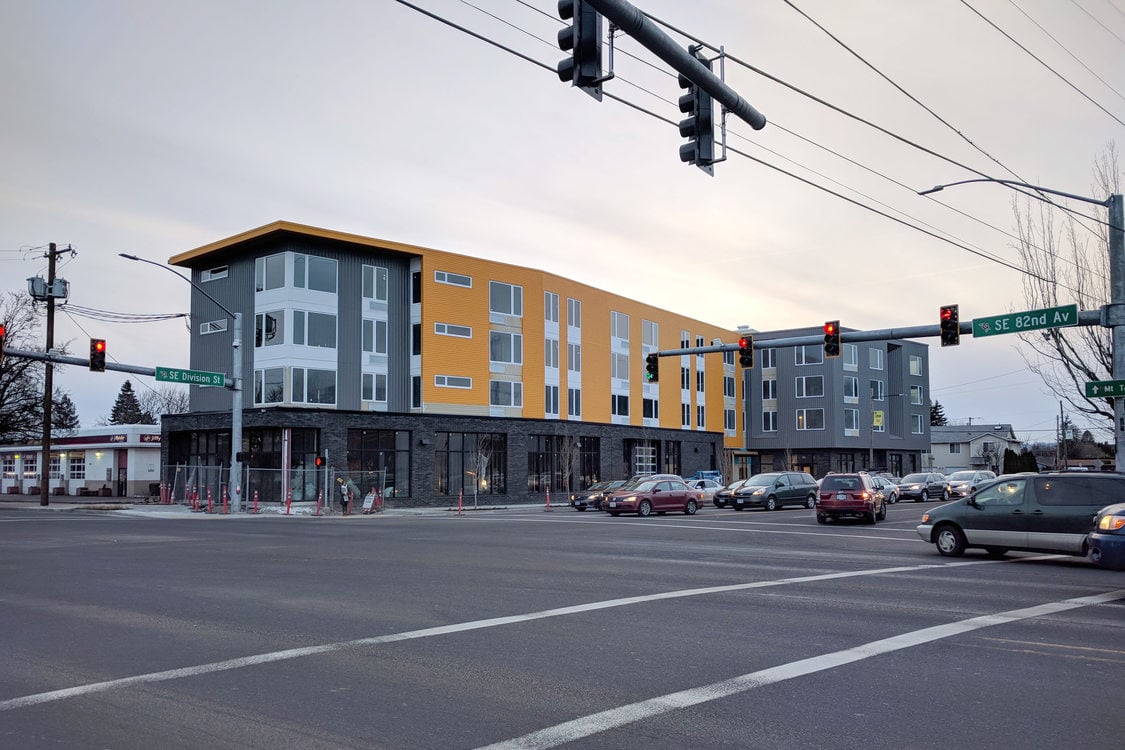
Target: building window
[650, 334]
[212, 326]
[728, 386]
[213, 274]
[812, 354]
[619, 365]
[55, 471]
[76, 463]
[550, 307]
[470, 462]
[382, 458]
[685, 379]
[453, 279]
[851, 356]
[877, 392]
[685, 415]
[551, 353]
[374, 336]
[685, 339]
[954, 447]
[375, 283]
[619, 405]
[988, 447]
[700, 381]
[314, 329]
[769, 358]
[728, 359]
[574, 357]
[453, 381]
[449, 329]
[769, 421]
[810, 419]
[650, 408]
[851, 420]
[619, 325]
[573, 313]
[915, 364]
[416, 339]
[374, 387]
[505, 299]
[269, 328]
[314, 386]
[551, 400]
[916, 395]
[269, 386]
[574, 402]
[9, 465]
[269, 272]
[729, 420]
[916, 426]
[505, 393]
[416, 392]
[700, 416]
[314, 273]
[875, 359]
[769, 389]
[506, 348]
[851, 387]
[415, 288]
[809, 386]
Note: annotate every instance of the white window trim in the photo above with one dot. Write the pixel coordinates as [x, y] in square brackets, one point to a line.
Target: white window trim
[444, 277]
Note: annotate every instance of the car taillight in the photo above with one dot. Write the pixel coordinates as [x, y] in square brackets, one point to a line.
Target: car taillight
[1111, 523]
[864, 495]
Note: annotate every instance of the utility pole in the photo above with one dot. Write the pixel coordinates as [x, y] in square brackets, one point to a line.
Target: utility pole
[48, 380]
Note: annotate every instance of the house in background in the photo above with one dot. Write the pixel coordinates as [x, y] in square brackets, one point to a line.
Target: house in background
[965, 447]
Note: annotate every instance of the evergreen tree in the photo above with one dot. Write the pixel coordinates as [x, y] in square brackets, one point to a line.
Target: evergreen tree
[127, 410]
[64, 414]
[1012, 462]
[937, 415]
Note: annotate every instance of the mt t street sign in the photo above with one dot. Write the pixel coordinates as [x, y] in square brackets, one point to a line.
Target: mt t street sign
[1105, 388]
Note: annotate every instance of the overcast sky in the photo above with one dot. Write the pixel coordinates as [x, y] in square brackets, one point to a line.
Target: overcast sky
[155, 127]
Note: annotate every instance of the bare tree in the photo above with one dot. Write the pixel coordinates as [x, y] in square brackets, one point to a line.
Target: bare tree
[567, 450]
[166, 399]
[481, 459]
[1068, 261]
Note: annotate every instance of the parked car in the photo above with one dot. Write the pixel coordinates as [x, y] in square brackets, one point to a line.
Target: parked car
[592, 496]
[1107, 541]
[965, 483]
[775, 489]
[654, 496]
[707, 486]
[1051, 512]
[722, 497]
[887, 487]
[708, 474]
[923, 486]
[849, 496]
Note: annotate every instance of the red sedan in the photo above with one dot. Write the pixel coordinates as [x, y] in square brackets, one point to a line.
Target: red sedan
[651, 496]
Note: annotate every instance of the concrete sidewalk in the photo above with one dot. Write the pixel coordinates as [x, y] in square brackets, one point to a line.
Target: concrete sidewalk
[133, 506]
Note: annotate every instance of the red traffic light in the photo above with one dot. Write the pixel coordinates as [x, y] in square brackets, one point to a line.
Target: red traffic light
[830, 328]
[3, 330]
[947, 313]
[319, 461]
[99, 346]
[744, 342]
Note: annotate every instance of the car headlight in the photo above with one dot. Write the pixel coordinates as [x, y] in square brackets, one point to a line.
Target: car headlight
[1111, 523]
[925, 518]
[759, 491]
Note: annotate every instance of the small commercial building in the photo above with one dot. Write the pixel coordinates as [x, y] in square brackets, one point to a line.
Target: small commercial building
[111, 460]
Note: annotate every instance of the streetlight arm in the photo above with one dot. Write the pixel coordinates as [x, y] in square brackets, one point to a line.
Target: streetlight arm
[1017, 183]
[194, 286]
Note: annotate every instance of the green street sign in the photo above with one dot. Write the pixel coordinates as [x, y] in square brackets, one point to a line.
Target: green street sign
[190, 377]
[1103, 388]
[1032, 320]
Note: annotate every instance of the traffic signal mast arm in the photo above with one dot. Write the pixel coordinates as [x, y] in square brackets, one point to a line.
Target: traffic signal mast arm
[633, 22]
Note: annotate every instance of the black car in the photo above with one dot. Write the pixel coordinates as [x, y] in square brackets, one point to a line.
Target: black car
[923, 486]
[722, 498]
[776, 489]
[592, 496]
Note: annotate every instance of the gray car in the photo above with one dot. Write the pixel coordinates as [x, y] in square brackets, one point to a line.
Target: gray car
[965, 483]
[923, 486]
[776, 489]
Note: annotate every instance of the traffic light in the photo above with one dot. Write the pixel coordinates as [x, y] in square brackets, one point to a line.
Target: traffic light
[97, 355]
[319, 461]
[3, 334]
[699, 127]
[832, 338]
[746, 351]
[652, 368]
[950, 326]
[583, 40]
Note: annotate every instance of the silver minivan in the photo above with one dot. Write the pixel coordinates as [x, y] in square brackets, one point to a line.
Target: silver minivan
[1037, 513]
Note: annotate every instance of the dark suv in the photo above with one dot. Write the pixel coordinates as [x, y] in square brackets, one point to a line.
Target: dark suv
[850, 496]
[776, 489]
[923, 486]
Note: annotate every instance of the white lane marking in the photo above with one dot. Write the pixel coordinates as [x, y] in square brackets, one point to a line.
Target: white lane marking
[586, 726]
[297, 653]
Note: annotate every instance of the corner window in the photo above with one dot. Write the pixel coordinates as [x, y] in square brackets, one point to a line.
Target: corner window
[314, 273]
[269, 386]
[269, 328]
[269, 272]
[314, 386]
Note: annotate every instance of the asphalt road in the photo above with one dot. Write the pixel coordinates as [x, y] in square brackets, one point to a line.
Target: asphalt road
[521, 629]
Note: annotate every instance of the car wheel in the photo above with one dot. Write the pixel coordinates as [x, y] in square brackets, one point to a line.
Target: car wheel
[580, 509]
[821, 518]
[945, 495]
[691, 508]
[883, 512]
[871, 517]
[736, 506]
[950, 541]
[614, 513]
[810, 502]
[996, 553]
[771, 503]
[645, 508]
[925, 496]
[894, 498]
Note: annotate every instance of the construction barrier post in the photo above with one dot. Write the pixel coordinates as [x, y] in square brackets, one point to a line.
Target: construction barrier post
[319, 497]
[210, 507]
[225, 510]
[547, 508]
[460, 497]
[255, 501]
[194, 492]
[288, 501]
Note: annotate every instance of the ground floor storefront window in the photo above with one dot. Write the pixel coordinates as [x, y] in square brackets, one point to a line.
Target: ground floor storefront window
[470, 462]
[381, 458]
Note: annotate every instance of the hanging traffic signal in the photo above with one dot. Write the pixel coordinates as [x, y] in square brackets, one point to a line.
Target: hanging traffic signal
[699, 127]
[832, 338]
[652, 368]
[97, 355]
[746, 351]
[3, 334]
[950, 326]
[583, 40]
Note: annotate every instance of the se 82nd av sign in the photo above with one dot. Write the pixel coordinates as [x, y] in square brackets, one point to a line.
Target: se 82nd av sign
[1032, 320]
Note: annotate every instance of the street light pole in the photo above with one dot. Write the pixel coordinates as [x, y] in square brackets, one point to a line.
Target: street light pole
[234, 483]
[1113, 314]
